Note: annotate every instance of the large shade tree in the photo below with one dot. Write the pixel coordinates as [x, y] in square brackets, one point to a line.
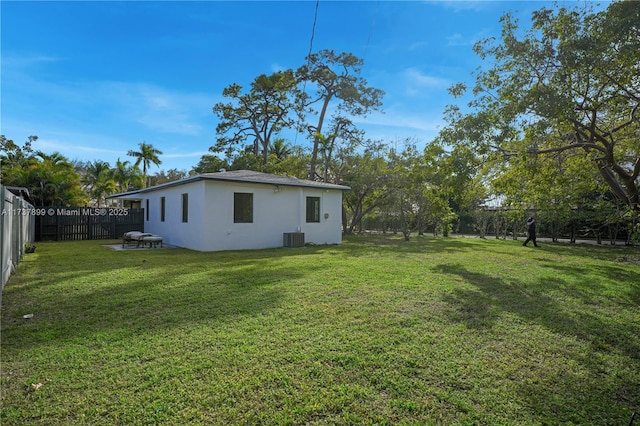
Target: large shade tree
[256, 117]
[170, 175]
[569, 83]
[339, 94]
[13, 155]
[367, 174]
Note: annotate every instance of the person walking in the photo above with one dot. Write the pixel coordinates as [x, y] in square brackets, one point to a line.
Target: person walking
[531, 229]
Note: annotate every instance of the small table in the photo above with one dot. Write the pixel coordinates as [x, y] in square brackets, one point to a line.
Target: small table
[153, 240]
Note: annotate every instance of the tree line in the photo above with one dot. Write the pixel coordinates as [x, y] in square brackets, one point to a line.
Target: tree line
[54, 180]
[553, 124]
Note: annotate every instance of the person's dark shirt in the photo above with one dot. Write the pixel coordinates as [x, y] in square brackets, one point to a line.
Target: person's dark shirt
[531, 223]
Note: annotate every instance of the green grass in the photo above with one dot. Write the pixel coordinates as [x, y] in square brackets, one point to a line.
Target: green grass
[375, 331]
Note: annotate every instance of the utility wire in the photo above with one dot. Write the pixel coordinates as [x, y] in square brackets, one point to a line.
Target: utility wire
[313, 29]
[313, 33]
[373, 24]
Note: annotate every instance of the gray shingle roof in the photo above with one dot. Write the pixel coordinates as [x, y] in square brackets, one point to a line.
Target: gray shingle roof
[241, 176]
[257, 177]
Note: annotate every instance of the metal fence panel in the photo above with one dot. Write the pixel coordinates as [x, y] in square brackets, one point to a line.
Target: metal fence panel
[17, 231]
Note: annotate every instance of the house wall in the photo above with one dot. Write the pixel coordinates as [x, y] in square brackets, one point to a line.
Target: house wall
[329, 229]
[211, 226]
[173, 230]
[275, 211]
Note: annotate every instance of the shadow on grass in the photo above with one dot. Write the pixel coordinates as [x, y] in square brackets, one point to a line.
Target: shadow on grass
[390, 244]
[624, 276]
[569, 311]
[140, 292]
[480, 306]
[83, 293]
[79, 289]
[66, 261]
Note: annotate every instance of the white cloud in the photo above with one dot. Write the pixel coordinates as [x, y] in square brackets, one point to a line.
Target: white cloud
[88, 119]
[277, 67]
[411, 123]
[456, 40]
[49, 145]
[74, 146]
[463, 5]
[187, 154]
[157, 108]
[79, 145]
[417, 45]
[154, 107]
[28, 61]
[419, 83]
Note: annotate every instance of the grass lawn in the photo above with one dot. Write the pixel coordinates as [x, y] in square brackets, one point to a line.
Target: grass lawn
[375, 331]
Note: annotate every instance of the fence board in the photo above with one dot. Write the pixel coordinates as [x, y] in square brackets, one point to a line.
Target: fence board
[86, 223]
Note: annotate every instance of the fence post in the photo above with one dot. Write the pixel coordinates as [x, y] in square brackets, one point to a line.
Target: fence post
[2, 232]
[90, 226]
[15, 218]
[55, 215]
[79, 223]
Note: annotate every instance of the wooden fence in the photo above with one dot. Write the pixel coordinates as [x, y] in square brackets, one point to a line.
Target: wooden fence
[86, 223]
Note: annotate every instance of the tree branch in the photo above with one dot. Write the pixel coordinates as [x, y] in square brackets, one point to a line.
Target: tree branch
[587, 145]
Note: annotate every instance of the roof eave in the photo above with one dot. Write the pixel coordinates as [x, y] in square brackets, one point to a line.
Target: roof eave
[229, 178]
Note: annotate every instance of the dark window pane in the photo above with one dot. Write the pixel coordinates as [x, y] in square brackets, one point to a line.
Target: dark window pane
[313, 209]
[185, 207]
[242, 207]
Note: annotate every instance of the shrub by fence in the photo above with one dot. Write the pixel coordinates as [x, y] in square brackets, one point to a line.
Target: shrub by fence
[17, 231]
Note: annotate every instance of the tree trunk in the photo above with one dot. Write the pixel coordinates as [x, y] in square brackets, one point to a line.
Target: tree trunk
[316, 139]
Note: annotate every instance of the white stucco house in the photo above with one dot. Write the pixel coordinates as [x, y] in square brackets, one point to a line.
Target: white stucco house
[243, 209]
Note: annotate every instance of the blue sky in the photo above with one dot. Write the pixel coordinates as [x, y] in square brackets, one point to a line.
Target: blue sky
[94, 79]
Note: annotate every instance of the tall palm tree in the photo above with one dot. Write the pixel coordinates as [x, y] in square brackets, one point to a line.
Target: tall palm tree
[146, 155]
[102, 187]
[93, 170]
[127, 175]
[52, 181]
[55, 160]
[280, 149]
[98, 180]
